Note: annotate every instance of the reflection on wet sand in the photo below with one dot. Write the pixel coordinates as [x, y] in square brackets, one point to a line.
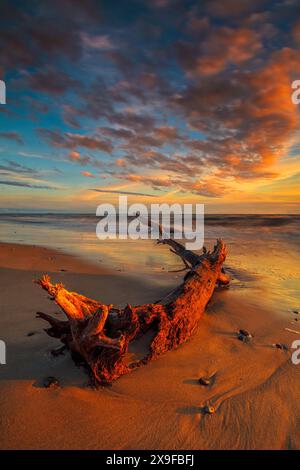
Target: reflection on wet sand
[264, 251]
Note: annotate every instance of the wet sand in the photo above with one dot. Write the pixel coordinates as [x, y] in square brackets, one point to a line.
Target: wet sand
[255, 387]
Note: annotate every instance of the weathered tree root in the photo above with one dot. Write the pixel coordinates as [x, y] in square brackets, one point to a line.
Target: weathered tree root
[100, 334]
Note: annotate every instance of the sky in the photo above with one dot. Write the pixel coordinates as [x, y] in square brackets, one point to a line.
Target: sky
[163, 100]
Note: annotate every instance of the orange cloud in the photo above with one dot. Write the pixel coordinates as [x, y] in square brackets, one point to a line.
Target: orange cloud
[88, 174]
[247, 116]
[222, 47]
[74, 155]
[120, 162]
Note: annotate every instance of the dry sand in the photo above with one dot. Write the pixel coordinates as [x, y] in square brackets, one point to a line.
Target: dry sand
[255, 388]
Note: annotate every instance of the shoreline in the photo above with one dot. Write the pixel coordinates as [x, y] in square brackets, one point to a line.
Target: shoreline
[158, 406]
[36, 257]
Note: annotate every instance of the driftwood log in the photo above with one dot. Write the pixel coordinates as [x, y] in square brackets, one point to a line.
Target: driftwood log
[99, 335]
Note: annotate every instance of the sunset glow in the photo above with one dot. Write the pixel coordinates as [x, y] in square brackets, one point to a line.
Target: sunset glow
[192, 104]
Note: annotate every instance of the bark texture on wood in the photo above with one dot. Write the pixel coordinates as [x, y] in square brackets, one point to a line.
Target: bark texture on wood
[100, 334]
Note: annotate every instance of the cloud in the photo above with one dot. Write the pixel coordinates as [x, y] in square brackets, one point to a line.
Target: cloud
[211, 188]
[167, 133]
[74, 141]
[197, 25]
[120, 162]
[155, 138]
[117, 133]
[191, 97]
[11, 135]
[14, 167]
[246, 116]
[25, 185]
[32, 37]
[138, 122]
[155, 181]
[52, 81]
[99, 42]
[189, 165]
[232, 8]
[87, 174]
[78, 158]
[96, 100]
[116, 191]
[74, 155]
[70, 115]
[222, 46]
[207, 187]
[159, 3]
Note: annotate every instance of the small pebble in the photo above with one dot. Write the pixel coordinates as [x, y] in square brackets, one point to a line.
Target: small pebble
[284, 347]
[296, 312]
[58, 351]
[204, 381]
[210, 410]
[244, 338]
[245, 333]
[51, 382]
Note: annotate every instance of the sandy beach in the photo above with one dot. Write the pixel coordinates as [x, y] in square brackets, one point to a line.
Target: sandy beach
[255, 387]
